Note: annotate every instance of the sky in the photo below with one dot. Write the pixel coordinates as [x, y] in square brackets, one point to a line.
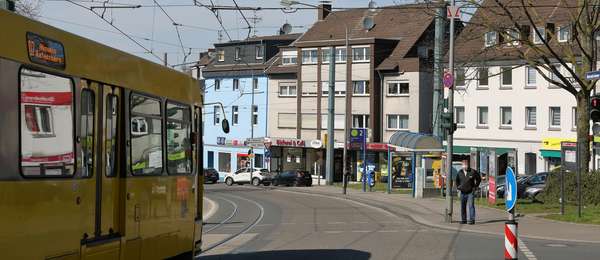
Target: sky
[198, 29]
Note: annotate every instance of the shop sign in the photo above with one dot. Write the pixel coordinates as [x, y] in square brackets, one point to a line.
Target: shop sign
[255, 142]
[553, 143]
[358, 135]
[316, 144]
[290, 142]
[234, 142]
[377, 147]
[221, 140]
[338, 145]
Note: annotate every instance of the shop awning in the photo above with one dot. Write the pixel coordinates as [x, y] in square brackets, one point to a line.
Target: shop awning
[550, 153]
[459, 149]
[415, 142]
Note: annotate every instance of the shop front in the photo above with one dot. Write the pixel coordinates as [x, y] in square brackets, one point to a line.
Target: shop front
[305, 155]
[551, 151]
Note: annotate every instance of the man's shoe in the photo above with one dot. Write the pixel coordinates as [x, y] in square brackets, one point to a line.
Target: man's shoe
[463, 222]
[471, 222]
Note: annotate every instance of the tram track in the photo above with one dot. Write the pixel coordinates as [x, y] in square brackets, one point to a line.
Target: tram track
[221, 223]
[235, 212]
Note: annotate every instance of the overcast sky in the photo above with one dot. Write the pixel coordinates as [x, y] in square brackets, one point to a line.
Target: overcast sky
[199, 31]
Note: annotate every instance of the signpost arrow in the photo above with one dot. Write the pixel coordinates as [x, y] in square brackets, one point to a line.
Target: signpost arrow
[592, 75]
[511, 189]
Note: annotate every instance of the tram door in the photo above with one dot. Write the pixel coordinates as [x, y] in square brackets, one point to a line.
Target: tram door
[103, 102]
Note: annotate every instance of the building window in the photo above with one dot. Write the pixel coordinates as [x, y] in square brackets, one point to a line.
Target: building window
[536, 38]
[360, 87]
[254, 115]
[235, 115]
[289, 57]
[574, 117]
[361, 54]
[339, 88]
[460, 77]
[325, 53]
[491, 39]
[258, 161]
[287, 120]
[505, 116]
[309, 89]
[236, 84]
[398, 122]
[506, 76]
[531, 76]
[360, 121]
[482, 116]
[211, 159]
[255, 83]
[221, 55]
[309, 56]
[340, 54]
[512, 38]
[216, 115]
[459, 116]
[238, 53]
[483, 74]
[564, 33]
[260, 52]
[554, 76]
[224, 162]
[217, 84]
[287, 90]
[554, 117]
[398, 88]
[530, 116]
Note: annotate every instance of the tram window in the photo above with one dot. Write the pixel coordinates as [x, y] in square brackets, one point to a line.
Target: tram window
[112, 108]
[87, 132]
[46, 104]
[146, 136]
[179, 146]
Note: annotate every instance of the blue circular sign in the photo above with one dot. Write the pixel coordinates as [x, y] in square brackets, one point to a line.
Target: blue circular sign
[511, 189]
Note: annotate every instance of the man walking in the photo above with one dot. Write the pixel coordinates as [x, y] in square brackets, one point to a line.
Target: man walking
[467, 180]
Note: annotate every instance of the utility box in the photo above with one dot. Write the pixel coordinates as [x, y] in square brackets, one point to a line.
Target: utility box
[420, 179]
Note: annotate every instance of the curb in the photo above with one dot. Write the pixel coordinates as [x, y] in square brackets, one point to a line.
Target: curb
[211, 210]
[417, 219]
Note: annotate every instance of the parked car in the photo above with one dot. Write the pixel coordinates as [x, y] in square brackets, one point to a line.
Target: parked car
[523, 183]
[535, 185]
[211, 176]
[292, 178]
[243, 176]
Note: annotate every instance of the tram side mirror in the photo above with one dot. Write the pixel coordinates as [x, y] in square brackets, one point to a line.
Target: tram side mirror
[225, 126]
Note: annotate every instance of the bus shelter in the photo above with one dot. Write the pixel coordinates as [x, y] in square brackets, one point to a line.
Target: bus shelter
[417, 147]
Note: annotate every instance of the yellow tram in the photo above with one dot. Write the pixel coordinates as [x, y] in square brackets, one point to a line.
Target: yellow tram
[99, 150]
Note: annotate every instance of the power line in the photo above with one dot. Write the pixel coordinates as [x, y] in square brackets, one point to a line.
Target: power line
[175, 24]
[118, 29]
[243, 16]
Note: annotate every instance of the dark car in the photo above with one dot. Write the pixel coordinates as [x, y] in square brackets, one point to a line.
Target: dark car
[292, 178]
[523, 183]
[211, 176]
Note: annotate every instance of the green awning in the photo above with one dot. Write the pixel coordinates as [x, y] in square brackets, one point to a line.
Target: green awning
[459, 149]
[550, 153]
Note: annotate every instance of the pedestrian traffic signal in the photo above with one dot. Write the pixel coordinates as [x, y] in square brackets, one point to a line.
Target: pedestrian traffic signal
[595, 109]
[447, 122]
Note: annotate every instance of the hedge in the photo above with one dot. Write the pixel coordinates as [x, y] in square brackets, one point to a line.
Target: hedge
[590, 190]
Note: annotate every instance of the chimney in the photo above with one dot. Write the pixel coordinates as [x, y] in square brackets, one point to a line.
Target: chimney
[324, 10]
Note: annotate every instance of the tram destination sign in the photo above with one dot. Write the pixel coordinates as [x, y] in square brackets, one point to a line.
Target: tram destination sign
[45, 51]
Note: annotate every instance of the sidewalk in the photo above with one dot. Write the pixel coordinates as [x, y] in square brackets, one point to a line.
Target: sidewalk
[430, 212]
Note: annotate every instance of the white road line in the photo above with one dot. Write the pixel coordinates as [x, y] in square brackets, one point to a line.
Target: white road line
[388, 231]
[361, 231]
[211, 210]
[526, 251]
[333, 232]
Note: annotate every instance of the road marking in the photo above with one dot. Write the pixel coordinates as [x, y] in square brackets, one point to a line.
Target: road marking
[525, 250]
[288, 223]
[212, 209]
[333, 232]
[556, 245]
[336, 223]
[388, 231]
[264, 225]
[361, 231]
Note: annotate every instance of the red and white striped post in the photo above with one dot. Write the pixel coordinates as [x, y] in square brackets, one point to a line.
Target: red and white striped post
[510, 240]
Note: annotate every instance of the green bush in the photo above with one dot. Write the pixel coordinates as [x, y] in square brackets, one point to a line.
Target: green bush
[590, 190]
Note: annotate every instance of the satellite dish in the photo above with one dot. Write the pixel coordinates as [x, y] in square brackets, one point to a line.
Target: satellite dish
[286, 28]
[372, 6]
[368, 23]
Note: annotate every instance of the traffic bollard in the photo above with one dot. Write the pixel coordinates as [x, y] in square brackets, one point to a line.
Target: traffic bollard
[510, 240]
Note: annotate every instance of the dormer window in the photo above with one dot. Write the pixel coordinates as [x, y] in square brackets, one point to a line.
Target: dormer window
[289, 57]
[512, 38]
[260, 52]
[491, 39]
[221, 55]
[238, 55]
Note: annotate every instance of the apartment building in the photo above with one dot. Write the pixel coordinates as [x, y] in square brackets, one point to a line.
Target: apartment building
[386, 69]
[501, 103]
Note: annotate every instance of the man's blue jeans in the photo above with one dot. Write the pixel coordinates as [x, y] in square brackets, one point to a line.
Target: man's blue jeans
[467, 200]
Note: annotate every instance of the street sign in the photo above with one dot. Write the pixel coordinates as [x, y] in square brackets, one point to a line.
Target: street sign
[453, 12]
[592, 75]
[358, 135]
[448, 80]
[511, 189]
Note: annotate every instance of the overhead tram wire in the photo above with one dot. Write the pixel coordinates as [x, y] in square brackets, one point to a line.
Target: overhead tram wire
[245, 19]
[176, 25]
[214, 12]
[118, 29]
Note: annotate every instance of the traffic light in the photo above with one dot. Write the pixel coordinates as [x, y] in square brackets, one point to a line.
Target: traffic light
[595, 109]
[447, 122]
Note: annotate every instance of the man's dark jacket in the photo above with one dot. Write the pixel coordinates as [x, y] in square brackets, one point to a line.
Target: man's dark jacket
[466, 183]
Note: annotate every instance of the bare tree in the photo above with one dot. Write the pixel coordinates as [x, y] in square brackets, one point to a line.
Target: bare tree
[29, 8]
[527, 30]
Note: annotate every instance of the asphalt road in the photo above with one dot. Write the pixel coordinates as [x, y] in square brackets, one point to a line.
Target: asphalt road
[266, 223]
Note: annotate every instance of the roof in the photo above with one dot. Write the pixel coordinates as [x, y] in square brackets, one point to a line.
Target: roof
[205, 60]
[404, 24]
[277, 37]
[470, 44]
[415, 142]
[277, 67]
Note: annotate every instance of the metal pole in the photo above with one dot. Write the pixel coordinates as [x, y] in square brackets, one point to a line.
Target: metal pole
[579, 201]
[364, 164]
[440, 26]
[330, 118]
[449, 148]
[347, 120]
[167, 63]
[389, 165]
[562, 191]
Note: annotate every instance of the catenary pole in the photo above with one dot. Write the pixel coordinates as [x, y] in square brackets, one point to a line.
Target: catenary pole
[330, 119]
[450, 143]
[438, 68]
[347, 120]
